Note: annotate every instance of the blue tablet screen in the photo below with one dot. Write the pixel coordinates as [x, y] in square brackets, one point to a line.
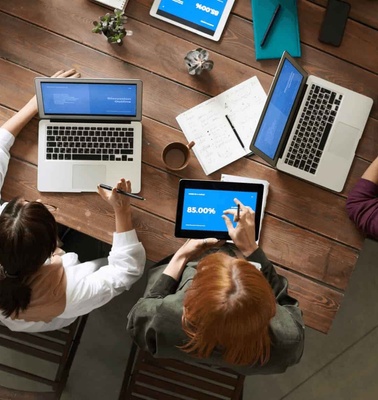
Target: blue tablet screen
[203, 16]
[203, 208]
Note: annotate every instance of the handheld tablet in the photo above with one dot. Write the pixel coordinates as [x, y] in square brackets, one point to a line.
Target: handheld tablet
[205, 17]
[201, 204]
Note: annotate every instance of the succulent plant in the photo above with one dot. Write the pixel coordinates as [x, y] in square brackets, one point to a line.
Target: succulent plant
[112, 26]
[198, 60]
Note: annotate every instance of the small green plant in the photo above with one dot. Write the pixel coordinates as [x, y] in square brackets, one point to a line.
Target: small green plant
[198, 60]
[112, 26]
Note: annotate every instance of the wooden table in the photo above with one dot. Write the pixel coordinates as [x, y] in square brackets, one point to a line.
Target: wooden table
[306, 231]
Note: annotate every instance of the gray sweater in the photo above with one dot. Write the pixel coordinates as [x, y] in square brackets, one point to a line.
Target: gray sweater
[155, 321]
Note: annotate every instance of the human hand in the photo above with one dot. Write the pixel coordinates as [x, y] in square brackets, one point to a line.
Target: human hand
[120, 204]
[118, 201]
[243, 235]
[71, 73]
[193, 248]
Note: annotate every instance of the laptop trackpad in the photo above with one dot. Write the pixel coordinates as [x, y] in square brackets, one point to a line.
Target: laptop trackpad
[87, 177]
[344, 140]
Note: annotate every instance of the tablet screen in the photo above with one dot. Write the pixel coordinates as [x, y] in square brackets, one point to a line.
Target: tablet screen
[204, 17]
[201, 204]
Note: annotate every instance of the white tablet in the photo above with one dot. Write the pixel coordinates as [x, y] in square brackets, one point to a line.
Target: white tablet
[204, 17]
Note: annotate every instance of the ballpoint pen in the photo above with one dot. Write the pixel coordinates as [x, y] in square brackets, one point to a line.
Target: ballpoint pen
[134, 196]
[269, 28]
[236, 134]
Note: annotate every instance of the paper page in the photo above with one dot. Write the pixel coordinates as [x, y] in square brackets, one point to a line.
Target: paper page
[216, 144]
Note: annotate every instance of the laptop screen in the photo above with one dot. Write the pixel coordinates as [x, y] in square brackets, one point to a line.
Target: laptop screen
[278, 109]
[89, 99]
[64, 98]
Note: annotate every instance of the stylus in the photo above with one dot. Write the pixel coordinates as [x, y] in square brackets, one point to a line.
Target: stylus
[236, 134]
[238, 213]
[269, 28]
[134, 196]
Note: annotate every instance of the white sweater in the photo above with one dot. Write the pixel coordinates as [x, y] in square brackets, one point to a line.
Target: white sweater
[91, 284]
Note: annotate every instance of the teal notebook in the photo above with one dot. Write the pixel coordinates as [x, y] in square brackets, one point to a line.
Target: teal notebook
[284, 33]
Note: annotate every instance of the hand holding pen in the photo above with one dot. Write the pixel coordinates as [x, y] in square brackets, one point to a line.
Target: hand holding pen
[134, 196]
[243, 234]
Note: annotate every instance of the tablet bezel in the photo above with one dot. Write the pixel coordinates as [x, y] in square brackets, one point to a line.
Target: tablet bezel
[218, 31]
[216, 185]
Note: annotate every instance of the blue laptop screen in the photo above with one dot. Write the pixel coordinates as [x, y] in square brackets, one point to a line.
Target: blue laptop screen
[89, 99]
[278, 111]
[203, 17]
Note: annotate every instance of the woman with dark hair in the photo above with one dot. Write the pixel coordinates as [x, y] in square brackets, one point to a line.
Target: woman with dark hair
[220, 304]
[41, 287]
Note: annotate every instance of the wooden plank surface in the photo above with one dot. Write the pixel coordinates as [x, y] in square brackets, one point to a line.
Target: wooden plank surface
[306, 232]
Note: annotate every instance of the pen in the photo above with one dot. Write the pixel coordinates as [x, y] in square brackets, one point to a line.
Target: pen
[134, 196]
[236, 134]
[238, 213]
[269, 28]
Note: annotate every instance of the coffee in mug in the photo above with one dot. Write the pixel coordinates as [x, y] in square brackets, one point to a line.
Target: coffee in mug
[176, 155]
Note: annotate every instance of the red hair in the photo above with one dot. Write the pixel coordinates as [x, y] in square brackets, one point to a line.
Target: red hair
[228, 307]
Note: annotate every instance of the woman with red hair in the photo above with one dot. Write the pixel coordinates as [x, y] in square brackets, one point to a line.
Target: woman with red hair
[220, 304]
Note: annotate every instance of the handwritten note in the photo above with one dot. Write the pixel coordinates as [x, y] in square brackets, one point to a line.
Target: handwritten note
[217, 145]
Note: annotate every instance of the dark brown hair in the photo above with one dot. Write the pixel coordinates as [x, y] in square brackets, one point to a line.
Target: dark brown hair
[28, 236]
[228, 307]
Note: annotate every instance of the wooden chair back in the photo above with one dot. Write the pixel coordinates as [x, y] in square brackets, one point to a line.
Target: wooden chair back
[58, 347]
[13, 394]
[166, 379]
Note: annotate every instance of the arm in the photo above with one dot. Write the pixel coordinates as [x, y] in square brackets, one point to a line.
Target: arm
[11, 128]
[30, 109]
[94, 283]
[362, 201]
[243, 235]
[371, 174]
[99, 284]
[168, 281]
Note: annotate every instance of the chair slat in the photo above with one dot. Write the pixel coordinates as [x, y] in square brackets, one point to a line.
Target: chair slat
[157, 382]
[26, 374]
[30, 350]
[35, 340]
[227, 377]
[197, 381]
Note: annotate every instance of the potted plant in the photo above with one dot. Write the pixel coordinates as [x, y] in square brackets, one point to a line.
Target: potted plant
[112, 26]
[197, 61]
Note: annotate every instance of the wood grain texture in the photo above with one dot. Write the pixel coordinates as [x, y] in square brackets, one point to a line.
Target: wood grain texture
[306, 232]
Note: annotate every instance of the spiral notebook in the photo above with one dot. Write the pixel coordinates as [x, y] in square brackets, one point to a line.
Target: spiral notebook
[112, 4]
[284, 34]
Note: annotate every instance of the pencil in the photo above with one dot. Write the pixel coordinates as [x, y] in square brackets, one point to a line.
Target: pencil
[134, 196]
[236, 134]
[269, 28]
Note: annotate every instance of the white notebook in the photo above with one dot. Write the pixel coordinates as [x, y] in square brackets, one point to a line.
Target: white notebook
[120, 4]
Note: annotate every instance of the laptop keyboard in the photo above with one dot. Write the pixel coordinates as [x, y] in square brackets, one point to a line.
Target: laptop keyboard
[90, 143]
[313, 129]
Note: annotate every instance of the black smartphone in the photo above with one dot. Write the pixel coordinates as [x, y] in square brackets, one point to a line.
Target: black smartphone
[335, 18]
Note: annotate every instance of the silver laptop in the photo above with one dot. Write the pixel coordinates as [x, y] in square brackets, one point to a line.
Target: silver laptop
[310, 127]
[90, 132]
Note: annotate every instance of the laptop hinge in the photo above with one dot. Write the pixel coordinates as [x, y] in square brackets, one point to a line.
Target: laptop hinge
[89, 121]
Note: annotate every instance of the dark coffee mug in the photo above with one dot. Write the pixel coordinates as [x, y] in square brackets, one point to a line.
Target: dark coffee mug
[176, 155]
